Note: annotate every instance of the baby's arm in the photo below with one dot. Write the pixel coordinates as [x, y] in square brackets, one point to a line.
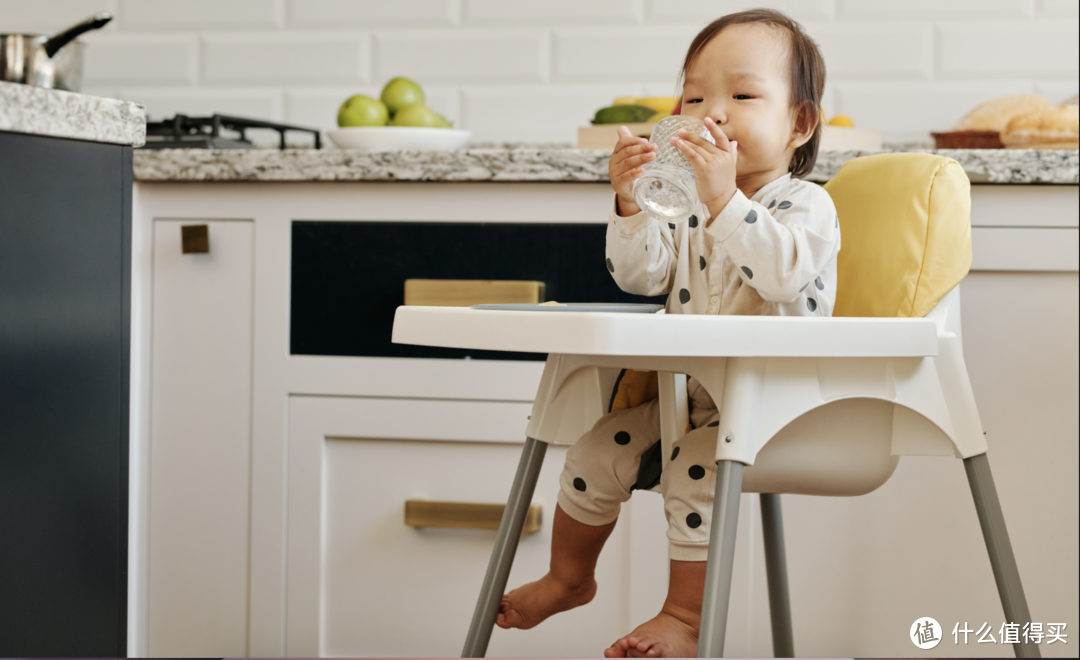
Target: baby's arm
[641, 254]
[783, 244]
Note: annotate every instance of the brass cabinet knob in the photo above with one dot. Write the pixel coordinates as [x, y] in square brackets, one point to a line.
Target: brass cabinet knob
[195, 239]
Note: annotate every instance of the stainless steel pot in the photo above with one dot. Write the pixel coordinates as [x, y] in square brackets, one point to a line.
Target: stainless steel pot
[43, 61]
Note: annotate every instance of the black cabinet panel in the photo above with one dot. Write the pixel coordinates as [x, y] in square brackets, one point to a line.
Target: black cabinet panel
[65, 213]
[349, 277]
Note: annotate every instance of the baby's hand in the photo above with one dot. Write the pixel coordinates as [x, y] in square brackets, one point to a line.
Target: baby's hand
[625, 166]
[714, 165]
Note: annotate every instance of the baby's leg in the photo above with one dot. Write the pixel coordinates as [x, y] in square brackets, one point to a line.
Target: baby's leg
[688, 483]
[569, 582]
[600, 470]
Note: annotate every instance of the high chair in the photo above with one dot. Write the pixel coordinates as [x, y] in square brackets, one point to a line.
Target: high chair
[815, 406]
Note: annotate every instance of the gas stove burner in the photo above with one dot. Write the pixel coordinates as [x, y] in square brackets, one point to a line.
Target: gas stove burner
[183, 132]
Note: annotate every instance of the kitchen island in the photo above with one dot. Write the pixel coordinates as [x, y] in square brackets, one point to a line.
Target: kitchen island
[65, 230]
[268, 406]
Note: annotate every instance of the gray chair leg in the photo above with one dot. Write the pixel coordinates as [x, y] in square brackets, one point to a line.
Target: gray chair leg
[725, 521]
[506, 543]
[772, 525]
[1002, 560]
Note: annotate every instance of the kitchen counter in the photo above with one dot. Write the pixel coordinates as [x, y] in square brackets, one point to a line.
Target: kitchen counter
[56, 113]
[544, 164]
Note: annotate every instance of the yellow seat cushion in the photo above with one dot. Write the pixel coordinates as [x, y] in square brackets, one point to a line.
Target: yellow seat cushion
[905, 227]
[634, 388]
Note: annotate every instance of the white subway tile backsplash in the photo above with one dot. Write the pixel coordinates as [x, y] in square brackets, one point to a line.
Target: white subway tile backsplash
[140, 59]
[164, 102]
[536, 70]
[1058, 91]
[875, 51]
[317, 107]
[468, 55]
[994, 49]
[828, 101]
[702, 12]
[373, 13]
[510, 12]
[934, 9]
[200, 14]
[287, 57]
[535, 113]
[1058, 8]
[911, 110]
[660, 88]
[632, 54]
[104, 91]
[49, 17]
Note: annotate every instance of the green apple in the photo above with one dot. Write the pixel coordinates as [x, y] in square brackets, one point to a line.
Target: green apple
[362, 110]
[418, 114]
[401, 92]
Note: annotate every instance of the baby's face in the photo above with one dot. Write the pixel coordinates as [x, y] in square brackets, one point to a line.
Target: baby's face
[741, 80]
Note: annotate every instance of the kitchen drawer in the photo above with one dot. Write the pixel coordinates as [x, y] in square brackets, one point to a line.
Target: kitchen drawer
[362, 583]
[349, 277]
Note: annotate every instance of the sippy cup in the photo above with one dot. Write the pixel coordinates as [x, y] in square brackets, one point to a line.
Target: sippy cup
[666, 190]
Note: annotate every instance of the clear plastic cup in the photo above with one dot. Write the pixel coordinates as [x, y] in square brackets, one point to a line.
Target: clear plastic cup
[666, 190]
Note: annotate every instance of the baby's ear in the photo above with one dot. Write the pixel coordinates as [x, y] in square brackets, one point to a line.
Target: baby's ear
[806, 120]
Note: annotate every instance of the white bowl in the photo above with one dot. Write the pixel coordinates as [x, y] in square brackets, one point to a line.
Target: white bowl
[396, 138]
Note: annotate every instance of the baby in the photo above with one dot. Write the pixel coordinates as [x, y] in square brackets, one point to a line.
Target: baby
[762, 241]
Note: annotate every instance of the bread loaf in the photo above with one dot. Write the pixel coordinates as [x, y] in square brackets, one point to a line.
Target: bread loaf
[994, 115]
[1055, 127]
[1072, 100]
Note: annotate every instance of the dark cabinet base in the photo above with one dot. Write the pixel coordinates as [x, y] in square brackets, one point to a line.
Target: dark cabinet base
[65, 254]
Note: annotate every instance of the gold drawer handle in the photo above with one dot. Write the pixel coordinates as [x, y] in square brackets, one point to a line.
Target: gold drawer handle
[462, 293]
[463, 515]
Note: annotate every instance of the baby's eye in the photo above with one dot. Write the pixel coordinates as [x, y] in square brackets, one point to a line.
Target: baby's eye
[694, 101]
[743, 97]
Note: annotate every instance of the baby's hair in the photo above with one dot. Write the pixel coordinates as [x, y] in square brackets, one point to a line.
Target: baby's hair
[807, 74]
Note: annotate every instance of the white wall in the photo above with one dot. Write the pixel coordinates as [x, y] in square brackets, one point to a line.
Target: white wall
[536, 70]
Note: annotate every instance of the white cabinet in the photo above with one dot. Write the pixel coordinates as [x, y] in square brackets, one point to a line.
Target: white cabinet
[268, 489]
[362, 583]
[276, 484]
[200, 422]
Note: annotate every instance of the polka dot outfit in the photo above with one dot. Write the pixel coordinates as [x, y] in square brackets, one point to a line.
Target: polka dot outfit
[773, 254]
[761, 256]
[602, 468]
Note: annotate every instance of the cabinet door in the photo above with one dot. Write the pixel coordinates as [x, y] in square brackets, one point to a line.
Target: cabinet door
[200, 439]
[65, 231]
[362, 583]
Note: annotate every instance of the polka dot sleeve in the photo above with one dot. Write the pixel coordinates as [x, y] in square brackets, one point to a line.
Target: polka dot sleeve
[641, 254]
[780, 245]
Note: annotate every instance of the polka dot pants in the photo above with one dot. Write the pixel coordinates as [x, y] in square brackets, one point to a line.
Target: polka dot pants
[602, 468]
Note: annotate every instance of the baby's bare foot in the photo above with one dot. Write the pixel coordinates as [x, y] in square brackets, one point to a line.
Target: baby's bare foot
[531, 603]
[664, 636]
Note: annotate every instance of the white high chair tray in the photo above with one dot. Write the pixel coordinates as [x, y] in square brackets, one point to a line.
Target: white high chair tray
[697, 335]
[620, 308]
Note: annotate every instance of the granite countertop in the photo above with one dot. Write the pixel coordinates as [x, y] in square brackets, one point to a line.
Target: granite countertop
[56, 113]
[521, 163]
